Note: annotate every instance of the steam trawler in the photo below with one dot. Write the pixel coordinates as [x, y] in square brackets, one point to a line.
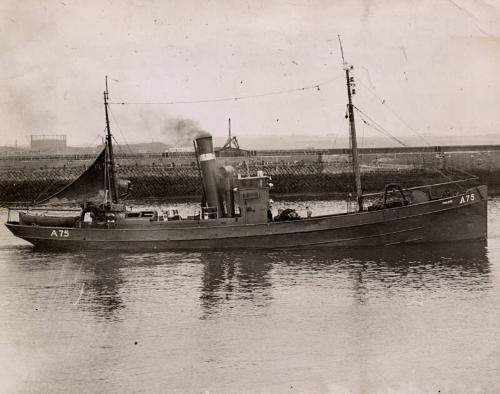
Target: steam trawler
[234, 212]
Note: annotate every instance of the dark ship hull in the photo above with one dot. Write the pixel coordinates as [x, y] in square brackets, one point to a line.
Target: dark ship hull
[457, 218]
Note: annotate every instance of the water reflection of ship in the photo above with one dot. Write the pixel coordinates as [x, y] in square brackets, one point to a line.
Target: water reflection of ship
[101, 284]
[389, 269]
[229, 279]
[92, 281]
[229, 276]
[445, 266]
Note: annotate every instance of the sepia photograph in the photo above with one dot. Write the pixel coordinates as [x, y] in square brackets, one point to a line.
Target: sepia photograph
[229, 196]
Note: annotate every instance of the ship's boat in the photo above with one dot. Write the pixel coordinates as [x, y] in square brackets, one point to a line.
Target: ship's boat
[47, 220]
[234, 212]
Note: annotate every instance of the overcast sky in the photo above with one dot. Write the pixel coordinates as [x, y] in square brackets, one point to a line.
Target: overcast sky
[422, 67]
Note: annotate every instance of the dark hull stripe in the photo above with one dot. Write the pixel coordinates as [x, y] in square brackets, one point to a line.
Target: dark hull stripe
[31, 239]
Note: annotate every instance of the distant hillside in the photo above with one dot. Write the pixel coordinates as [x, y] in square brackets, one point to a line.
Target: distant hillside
[263, 142]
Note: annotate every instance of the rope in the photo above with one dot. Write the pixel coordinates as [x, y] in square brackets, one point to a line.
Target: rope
[235, 98]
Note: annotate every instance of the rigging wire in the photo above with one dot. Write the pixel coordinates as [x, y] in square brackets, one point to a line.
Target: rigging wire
[121, 132]
[383, 133]
[148, 187]
[378, 127]
[459, 170]
[363, 134]
[384, 102]
[450, 179]
[316, 86]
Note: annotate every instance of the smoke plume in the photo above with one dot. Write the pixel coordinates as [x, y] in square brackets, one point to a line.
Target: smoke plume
[183, 131]
[175, 131]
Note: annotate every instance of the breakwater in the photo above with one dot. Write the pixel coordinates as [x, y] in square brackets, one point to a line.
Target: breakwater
[29, 178]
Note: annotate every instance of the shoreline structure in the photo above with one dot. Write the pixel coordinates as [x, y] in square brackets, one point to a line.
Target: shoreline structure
[169, 175]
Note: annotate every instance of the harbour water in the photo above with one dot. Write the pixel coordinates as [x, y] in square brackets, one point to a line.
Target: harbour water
[398, 319]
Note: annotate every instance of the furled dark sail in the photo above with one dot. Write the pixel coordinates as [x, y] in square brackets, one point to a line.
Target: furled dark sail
[90, 186]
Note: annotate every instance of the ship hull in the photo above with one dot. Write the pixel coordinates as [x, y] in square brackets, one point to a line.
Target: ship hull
[457, 218]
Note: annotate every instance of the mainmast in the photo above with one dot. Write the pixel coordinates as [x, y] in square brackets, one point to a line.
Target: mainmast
[352, 129]
[109, 147]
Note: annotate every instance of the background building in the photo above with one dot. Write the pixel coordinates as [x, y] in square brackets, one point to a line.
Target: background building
[48, 143]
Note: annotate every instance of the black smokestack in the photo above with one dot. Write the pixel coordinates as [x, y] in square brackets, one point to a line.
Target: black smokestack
[206, 159]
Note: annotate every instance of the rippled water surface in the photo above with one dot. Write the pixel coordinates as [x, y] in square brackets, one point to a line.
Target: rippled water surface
[399, 319]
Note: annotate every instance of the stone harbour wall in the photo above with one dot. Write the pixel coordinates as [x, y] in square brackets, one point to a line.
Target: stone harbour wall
[160, 177]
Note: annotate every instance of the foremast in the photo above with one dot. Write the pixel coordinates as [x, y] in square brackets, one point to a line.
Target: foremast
[352, 130]
[110, 162]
